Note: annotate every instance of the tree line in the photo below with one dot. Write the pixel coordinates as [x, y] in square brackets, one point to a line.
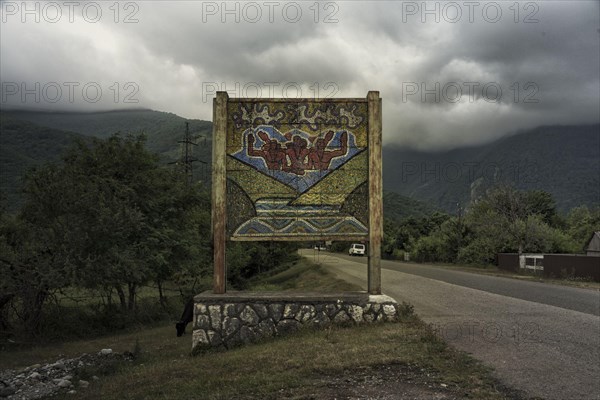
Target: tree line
[503, 220]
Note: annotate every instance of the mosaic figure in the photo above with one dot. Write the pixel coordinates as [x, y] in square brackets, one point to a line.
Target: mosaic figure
[319, 158]
[297, 151]
[271, 151]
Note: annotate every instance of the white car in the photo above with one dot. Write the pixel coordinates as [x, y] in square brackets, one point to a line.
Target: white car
[357, 249]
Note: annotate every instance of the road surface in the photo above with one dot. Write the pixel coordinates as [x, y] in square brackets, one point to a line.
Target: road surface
[539, 338]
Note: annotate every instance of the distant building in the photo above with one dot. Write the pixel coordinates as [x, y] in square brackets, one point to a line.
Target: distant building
[593, 246]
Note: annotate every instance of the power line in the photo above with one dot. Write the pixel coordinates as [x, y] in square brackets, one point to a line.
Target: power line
[186, 161]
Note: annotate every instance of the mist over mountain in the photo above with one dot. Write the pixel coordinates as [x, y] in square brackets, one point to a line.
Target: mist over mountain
[162, 129]
[562, 160]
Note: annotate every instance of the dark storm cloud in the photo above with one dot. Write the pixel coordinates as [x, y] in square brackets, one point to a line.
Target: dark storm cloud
[179, 52]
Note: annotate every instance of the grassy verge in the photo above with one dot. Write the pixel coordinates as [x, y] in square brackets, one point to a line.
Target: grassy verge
[303, 365]
[303, 276]
[528, 276]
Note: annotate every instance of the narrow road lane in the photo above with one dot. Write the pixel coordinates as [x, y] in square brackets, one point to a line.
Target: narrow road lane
[542, 339]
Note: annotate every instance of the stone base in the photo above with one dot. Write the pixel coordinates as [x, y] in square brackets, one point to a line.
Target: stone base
[246, 317]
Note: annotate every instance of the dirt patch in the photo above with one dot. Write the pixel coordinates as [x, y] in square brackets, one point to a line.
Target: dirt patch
[386, 382]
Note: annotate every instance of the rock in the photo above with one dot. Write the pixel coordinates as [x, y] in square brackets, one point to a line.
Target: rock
[59, 365]
[229, 310]
[214, 338]
[261, 310]
[35, 375]
[356, 312]
[266, 328]
[95, 378]
[83, 383]
[198, 337]
[290, 310]
[67, 377]
[7, 391]
[341, 317]
[64, 383]
[72, 392]
[202, 322]
[389, 310]
[306, 313]
[105, 352]
[330, 309]
[276, 311]
[287, 325]
[200, 309]
[231, 325]
[321, 319]
[249, 316]
[215, 316]
[248, 335]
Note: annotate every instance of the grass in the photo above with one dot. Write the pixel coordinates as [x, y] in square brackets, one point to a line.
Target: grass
[165, 370]
[77, 313]
[303, 276]
[297, 365]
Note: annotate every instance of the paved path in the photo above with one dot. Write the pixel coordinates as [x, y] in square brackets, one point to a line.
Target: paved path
[542, 339]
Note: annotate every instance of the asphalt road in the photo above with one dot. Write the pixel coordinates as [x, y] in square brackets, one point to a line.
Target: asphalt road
[539, 338]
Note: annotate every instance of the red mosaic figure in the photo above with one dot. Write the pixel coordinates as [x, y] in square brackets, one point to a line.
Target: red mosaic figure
[297, 151]
[319, 158]
[271, 151]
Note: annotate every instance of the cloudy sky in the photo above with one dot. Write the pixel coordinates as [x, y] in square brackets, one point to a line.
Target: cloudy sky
[449, 73]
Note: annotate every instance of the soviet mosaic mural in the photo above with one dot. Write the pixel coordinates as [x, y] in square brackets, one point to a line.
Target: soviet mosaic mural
[297, 169]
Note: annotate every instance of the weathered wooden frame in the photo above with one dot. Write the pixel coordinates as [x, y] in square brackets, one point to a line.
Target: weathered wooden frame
[219, 188]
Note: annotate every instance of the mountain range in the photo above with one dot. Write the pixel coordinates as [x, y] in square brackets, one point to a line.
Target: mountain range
[562, 160]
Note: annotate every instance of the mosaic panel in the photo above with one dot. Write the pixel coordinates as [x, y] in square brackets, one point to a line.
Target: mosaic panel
[297, 169]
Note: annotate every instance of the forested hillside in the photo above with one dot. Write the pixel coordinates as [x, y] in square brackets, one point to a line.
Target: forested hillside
[32, 138]
[397, 207]
[24, 145]
[162, 130]
[561, 160]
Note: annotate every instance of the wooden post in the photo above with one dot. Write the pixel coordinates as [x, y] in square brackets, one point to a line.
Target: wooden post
[219, 182]
[375, 194]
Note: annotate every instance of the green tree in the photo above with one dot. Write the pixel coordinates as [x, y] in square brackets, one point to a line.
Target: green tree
[507, 220]
[116, 218]
[402, 235]
[581, 222]
[33, 266]
[443, 243]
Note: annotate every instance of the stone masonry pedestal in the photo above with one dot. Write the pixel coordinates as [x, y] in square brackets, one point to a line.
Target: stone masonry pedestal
[236, 318]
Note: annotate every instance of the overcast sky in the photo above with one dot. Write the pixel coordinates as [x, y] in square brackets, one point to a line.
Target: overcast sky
[449, 73]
